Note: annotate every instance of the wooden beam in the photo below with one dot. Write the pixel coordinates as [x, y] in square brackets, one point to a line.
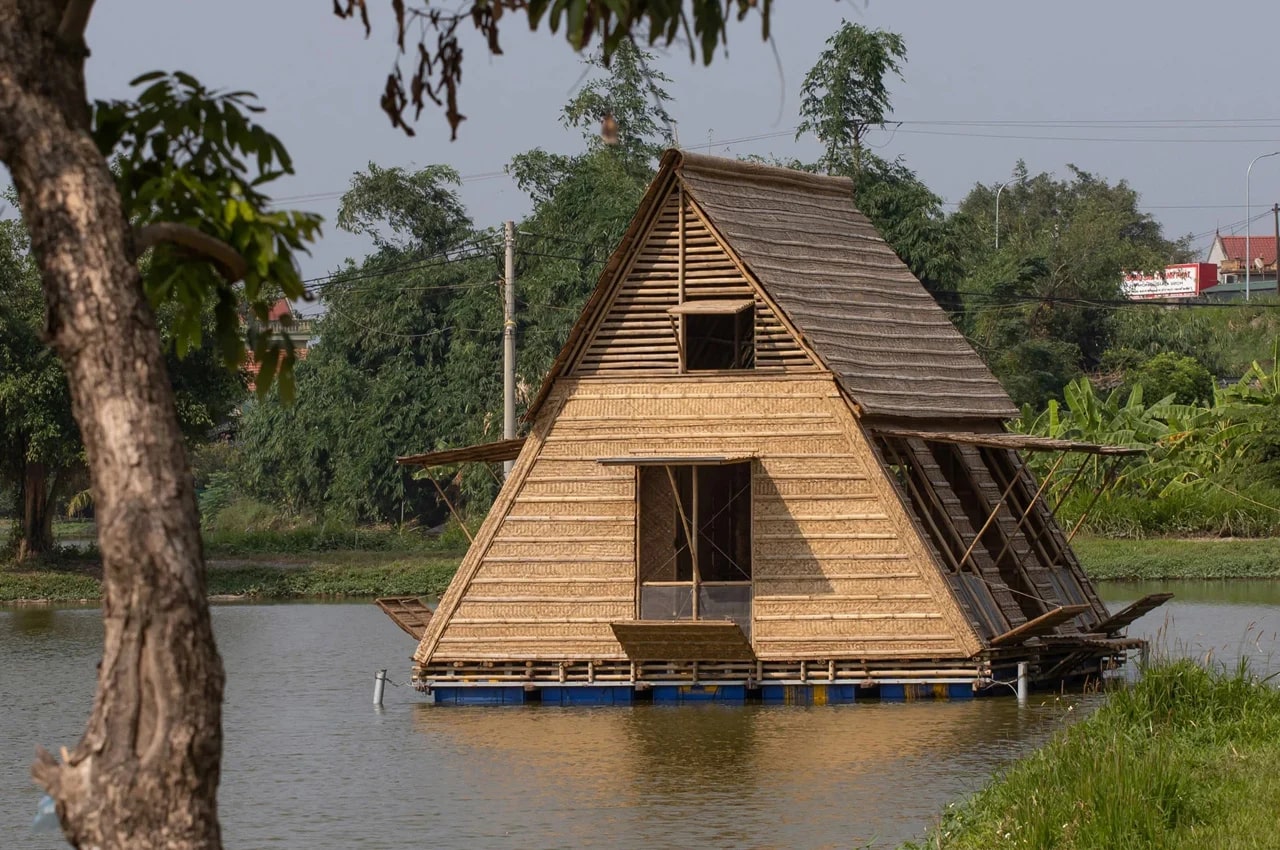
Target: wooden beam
[1046, 622]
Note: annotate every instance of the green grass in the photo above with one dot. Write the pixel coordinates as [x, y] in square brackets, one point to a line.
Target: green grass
[289, 576]
[1184, 759]
[1160, 558]
[1188, 511]
[47, 585]
[403, 576]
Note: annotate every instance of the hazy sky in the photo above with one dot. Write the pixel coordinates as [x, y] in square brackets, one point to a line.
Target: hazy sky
[1200, 75]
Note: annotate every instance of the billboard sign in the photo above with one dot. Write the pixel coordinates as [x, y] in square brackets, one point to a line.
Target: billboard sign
[1181, 281]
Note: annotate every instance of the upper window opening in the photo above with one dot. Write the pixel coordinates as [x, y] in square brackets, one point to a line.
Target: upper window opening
[718, 335]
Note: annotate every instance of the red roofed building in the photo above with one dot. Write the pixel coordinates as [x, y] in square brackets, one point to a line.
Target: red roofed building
[298, 330]
[1229, 253]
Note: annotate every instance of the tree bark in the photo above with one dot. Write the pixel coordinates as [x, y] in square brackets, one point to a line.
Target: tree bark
[37, 512]
[145, 774]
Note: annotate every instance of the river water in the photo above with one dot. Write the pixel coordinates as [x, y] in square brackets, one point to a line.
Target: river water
[310, 763]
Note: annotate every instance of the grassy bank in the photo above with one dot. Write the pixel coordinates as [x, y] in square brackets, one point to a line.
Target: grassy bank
[1181, 760]
[318, 561]
[324, 574]
[1161, 558]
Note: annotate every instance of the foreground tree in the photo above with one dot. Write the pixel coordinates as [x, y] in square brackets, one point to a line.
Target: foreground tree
[146, 772]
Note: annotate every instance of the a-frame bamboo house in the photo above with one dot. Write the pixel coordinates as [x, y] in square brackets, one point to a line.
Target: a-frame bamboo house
[764, 463]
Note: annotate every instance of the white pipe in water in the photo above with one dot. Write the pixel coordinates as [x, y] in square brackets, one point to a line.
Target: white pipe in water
[1023, 682]
[379, 685]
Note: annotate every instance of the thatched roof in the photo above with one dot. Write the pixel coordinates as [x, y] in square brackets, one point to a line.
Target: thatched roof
[856, 303]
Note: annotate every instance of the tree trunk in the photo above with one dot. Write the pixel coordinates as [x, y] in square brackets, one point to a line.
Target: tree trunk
[145, 774]
[37, 512]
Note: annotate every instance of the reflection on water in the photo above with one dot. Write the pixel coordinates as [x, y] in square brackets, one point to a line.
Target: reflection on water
[718, 776]
[311, 764]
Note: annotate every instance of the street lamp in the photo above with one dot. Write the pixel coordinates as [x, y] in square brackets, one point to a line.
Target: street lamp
[998, 191]
[1248, 221]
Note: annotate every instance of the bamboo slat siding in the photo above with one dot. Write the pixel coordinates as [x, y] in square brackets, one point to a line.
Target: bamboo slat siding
[636, 333]
[838, 570]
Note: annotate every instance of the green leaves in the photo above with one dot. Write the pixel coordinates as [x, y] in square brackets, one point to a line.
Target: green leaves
[193, 156]
[435, 70]
[844, 94]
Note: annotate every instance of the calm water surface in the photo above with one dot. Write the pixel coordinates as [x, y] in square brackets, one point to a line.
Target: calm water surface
[311, 764]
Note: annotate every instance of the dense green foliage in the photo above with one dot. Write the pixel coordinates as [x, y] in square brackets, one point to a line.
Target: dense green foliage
[1210, 468]
[1163, 559]
[410, 339]
[1042, 309]
[1179, 760]
[38, 436]
[411, 336]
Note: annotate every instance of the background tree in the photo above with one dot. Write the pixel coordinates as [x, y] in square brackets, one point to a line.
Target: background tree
[410, 336]
[582, 203]
[39, 440]
[1042, 308]
[844, 97]
[41, 453]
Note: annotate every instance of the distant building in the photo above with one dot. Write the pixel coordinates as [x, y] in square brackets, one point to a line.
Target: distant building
[1229, 252]
[282, 322]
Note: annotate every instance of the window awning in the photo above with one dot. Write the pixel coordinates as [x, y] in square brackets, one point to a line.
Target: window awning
[683, 640]
[1024, 442]
[488, 452]
[711, 307]
[674, 460]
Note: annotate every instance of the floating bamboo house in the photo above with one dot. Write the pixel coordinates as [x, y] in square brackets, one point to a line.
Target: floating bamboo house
[764, 464]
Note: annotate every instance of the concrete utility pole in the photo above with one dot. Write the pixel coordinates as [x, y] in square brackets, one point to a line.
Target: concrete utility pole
[1248, 216]
[1275, 210]
[509, 343]
[998, 191]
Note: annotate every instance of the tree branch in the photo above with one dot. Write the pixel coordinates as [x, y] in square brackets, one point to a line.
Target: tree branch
[229, 262]
[75, 19]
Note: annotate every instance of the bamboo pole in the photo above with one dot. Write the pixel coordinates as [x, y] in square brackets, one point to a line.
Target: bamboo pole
[453, 511]
[1008, 541]
[1004, 497]
[1106, 482]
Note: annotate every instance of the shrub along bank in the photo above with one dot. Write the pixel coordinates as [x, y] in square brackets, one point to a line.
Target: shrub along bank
[1183, 759]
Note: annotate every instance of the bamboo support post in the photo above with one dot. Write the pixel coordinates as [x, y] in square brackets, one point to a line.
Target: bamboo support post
[1106, 482]
[453, 511]
[1004, 497]
[1008, 541]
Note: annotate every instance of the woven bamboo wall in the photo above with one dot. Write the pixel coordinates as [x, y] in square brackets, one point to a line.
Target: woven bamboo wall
[838, 569]
[635, 334]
